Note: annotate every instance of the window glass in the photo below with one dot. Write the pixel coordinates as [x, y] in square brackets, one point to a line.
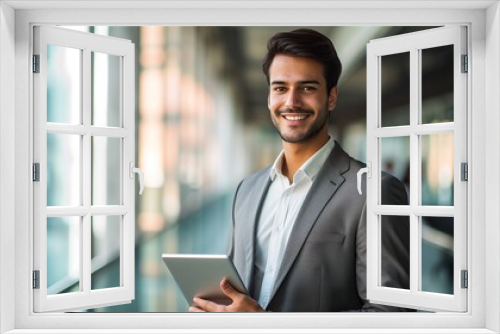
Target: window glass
[64, 84]
[106, 170]
[437, 254]
[63, 169]
[106, 244]
[395, 160]
[106, 89]
[437, 169]
[393, 276]
[63, 254]
[437, 84]
[395, 76]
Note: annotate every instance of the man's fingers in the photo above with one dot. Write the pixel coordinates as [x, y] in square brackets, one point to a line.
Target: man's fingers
[195, 309]
[206, 305]
[241, 302]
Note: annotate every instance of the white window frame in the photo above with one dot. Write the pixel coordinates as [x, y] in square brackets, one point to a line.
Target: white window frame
[413, 44]
[483, 122]
[85, 211]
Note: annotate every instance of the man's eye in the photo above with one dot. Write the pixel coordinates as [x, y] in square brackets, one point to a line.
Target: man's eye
[279, 89]
[309, 88]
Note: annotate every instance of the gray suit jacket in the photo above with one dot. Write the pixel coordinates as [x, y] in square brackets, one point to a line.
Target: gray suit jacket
[324, 266]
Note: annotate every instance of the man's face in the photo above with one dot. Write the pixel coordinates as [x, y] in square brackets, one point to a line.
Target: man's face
[298, 100]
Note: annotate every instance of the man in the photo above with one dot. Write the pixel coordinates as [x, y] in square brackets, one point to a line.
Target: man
[299, 226]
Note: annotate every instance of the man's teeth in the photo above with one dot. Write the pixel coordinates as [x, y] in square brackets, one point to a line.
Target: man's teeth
[295, 117]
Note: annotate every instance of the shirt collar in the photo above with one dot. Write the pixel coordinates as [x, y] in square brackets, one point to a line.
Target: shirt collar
[310, 168]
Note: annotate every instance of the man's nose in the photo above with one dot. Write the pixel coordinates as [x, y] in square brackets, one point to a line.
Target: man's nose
[292, 99]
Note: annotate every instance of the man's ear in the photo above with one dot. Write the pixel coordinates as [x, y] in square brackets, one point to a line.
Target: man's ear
[332, 98]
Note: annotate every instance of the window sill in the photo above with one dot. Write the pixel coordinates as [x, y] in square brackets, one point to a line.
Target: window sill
[259, 331]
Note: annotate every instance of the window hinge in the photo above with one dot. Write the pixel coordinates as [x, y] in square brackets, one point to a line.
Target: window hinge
[36, 279]
[465, 64]
[36, 63]
[465, 279]
[464, 171]
[36, 172]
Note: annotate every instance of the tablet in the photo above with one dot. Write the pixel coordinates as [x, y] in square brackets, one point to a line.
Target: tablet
[200, 275]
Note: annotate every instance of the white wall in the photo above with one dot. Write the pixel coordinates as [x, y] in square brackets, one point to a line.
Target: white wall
[492, 165]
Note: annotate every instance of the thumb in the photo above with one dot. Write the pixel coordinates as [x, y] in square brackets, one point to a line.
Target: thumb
[228, 289]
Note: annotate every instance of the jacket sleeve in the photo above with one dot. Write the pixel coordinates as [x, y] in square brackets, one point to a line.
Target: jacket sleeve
[395, 238]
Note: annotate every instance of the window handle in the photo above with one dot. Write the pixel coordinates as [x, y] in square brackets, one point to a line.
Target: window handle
[368, 171]
[137, 171]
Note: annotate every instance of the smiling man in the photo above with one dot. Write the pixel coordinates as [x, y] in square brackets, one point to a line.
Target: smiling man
[299, 226]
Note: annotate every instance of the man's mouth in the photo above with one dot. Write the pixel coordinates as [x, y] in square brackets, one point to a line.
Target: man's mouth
[295, 117]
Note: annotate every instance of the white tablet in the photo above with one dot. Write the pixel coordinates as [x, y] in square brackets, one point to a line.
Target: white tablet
[200, 275]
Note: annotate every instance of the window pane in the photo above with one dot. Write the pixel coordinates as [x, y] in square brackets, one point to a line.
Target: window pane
[63, 170]
[395, 261]
[437, 254]
[395, 160]
[64, 84]
[395, 90]
[106, 240]
[63, 254]
[437, 169]
[106, 83]
[106, 171]
[437, 84]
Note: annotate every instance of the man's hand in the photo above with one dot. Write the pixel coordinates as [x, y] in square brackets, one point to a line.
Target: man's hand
[241, 302]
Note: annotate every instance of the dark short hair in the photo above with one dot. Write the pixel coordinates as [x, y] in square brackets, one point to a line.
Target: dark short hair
[305, 43]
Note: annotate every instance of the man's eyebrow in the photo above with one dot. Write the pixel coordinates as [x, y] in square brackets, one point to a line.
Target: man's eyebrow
[303, 82]
[278, 82]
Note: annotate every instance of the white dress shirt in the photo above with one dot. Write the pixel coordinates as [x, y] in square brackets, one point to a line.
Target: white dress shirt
[279, 212]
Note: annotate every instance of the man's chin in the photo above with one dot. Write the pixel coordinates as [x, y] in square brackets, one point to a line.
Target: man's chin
[300, 138]
[295, 139]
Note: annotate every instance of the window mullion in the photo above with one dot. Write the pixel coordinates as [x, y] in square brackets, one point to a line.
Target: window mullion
[415, 230]
[86, 119]
[109, 132]
[434, 128]
[69, 129]
[78, 129]
[86, 256]
[421, 129]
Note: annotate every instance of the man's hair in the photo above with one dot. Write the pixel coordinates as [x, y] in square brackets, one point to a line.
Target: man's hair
[305, 43]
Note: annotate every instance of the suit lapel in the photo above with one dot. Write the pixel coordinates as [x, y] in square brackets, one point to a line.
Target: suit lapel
[322, 190]
[248, 228]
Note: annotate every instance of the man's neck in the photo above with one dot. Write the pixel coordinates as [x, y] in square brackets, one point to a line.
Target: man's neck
[296, 154]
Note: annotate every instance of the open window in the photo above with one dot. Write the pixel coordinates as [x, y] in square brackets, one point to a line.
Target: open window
[84, 153]
[430, 145]
[17, 18]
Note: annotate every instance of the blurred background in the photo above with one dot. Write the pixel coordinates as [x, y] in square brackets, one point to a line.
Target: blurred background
[202, 125]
